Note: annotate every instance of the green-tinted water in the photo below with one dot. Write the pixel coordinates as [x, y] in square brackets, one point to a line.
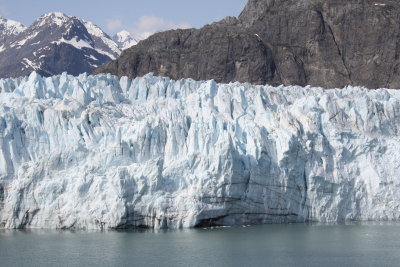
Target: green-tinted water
[269, 245]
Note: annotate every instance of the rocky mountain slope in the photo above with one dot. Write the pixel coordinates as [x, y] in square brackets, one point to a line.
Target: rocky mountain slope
[328, 43]
[208, 53]
[53, 44]
[96, 152]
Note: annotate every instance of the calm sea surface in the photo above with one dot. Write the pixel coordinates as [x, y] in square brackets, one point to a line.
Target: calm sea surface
[375, 244]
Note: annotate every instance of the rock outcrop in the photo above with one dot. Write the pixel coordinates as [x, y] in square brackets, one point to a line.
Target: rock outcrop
[218, 51]
[330, 43]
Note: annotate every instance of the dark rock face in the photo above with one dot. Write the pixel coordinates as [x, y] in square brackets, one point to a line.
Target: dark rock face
[331, 43]
[221, 51]
[2, 196]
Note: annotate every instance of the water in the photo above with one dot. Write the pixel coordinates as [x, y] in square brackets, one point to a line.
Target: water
[270, 245]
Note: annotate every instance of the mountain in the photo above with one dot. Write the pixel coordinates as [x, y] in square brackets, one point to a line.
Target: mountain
[124, 40]
[9, 29]
[221, 51]
[53, 44]
[327, 43]
[95, 152]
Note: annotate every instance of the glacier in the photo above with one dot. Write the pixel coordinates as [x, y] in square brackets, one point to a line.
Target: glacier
[98, 152]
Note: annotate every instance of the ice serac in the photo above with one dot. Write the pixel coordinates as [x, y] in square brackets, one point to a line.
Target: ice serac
[100, 152]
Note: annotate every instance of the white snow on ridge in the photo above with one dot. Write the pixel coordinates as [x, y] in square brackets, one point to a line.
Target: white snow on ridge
[105, 53]
[57, 18]
[23, 42]
[78, 44]
[11, 27]
[98, 152]
[96, 31]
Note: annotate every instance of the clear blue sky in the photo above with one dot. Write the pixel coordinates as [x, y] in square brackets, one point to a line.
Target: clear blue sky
[137, 16]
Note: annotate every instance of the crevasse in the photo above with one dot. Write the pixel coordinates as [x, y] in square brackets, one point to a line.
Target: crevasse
[95, 152]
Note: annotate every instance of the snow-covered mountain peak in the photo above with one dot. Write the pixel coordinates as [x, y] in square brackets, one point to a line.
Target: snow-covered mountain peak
[79, 46]
[10, 27]
[124, 35]
[57, 18]
[57, 28]
[73, 28]
[56, 14]
[124, 40]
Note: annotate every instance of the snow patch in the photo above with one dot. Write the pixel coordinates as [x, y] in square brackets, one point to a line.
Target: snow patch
[28, 63]
[23, 42]
[75, 42]
[111, 56]
[92, 57]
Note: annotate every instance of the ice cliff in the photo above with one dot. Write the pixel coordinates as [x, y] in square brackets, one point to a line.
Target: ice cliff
[98, 152]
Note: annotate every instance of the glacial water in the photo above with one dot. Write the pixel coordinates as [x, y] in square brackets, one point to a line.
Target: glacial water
[372, 244]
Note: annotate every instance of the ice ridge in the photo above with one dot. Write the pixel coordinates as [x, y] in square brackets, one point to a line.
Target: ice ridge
[96, 152]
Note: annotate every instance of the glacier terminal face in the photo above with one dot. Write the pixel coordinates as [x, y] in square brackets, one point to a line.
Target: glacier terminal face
[97, 152]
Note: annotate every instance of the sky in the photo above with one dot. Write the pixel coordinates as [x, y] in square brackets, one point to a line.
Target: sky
[140, 17]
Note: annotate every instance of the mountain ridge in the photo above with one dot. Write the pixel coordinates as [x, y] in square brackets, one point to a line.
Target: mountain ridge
[53, 44]
[330, 44]
[9, 28]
